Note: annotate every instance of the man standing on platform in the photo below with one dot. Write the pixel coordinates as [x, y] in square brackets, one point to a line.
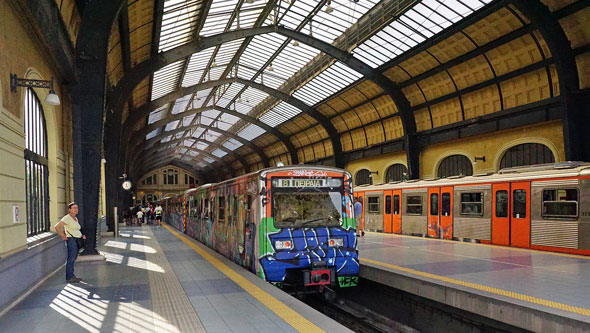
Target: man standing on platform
[358, 214]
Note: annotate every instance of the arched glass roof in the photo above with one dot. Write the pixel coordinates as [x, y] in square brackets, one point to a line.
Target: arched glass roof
[373, 31]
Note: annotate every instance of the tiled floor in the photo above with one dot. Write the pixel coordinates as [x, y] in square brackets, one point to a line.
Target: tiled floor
[119, 294]
[559, 278]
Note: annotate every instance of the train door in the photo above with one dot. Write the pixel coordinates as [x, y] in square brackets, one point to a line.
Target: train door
[397, 211]
[433, 212]
[520, 218]
[501, 214]
[446, 212]
[388, 212]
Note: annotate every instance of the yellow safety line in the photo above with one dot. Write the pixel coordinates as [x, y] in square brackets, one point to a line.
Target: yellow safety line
[497, 291]
[293, 318]
[577, 256]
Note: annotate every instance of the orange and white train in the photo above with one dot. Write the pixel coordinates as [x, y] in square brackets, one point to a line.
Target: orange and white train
[543, 207]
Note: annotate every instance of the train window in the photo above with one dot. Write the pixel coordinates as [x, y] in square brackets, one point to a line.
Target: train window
[519, 204]
[446, 204]
[221, 214]
[502, 204]
[373, 205]
[414, 205]
[472, 204]
[388, 204]
[434, 204]
[396, 204]
[560, 203]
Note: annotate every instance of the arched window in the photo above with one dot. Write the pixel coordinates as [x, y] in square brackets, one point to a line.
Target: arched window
[170, 177]
[527, 154]
[149, 198]
[36, 170]
[363, 177]
[396, 172]
[455, 165]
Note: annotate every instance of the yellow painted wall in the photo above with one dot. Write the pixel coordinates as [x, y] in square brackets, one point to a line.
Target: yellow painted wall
[21, 54]
[492, 146]
[161, 190]
[377, 163]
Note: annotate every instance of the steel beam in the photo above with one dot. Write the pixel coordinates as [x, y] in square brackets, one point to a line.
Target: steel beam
[574, 103]
[128, 83]
[276, 133]
[88, 110]
[158, 147]
[139, 149]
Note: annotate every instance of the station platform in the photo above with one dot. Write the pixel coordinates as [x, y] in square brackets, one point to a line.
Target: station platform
[533, 290]
[156, 280]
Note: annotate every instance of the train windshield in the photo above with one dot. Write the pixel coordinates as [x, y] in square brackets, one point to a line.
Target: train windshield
[307, 207]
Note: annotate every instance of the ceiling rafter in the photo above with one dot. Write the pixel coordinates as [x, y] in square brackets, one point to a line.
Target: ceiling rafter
[139, 149]
[158, 146]
[137, 136]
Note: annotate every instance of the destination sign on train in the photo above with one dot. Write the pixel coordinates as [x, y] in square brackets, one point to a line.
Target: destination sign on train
[302, 182]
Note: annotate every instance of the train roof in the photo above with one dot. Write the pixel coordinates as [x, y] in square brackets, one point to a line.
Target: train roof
[273, 169]
[534, 172]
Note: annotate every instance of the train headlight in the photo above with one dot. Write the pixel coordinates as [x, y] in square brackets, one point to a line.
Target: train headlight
[336, 242]
[283, 245]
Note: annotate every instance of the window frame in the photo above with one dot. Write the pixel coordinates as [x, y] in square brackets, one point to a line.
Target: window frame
[371, 204]
[472, 202]
[414, 205]
[558, 217]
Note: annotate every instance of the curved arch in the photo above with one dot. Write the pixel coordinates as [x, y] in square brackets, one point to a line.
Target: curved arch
[142, 70]
[139, 149]
[395, 171]
[232, 153]
[50, 115]
[362, 177]
[507, 146]
[146, 155]
[278, 134]
[165, 160]
[565, 63]
[451, 164]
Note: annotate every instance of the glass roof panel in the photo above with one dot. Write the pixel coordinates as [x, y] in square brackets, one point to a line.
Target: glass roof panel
[218, 152]
[188, 120]
[218, 16]
[192, 153]
[208, 116]
[422, 21]
[229, 94]
[196, 67]
[166, 139]
[215, 73]
[260, 49]
[201, 145]
[208, 159]
[279, 114]
[178, 22]
[227, 51]
[157, 114]
[200, 98]
[330, 81]
[232, 144]
[293, 58]
[171, 125]
[153, 133]
[181, 104]
[228, 119]
[251, 132]
[164, 81]
[202, 164]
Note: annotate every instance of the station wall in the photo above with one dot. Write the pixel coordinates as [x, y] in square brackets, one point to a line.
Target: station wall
[22, 53]
[492, 146]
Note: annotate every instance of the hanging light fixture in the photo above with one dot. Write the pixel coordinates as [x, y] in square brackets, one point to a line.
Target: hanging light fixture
[270, 68]
[51, 98]
[295, 43]
[214, 64]
[329, 7]
[250, 1]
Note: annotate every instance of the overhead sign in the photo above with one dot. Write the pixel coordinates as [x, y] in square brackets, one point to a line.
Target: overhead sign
[294, 182]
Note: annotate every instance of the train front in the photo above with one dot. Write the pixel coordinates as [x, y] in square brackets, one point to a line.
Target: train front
[307, 231]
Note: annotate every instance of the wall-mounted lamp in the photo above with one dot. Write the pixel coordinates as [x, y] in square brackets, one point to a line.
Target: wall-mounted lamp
[373, 172]
[483, 159]
[51, 99]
